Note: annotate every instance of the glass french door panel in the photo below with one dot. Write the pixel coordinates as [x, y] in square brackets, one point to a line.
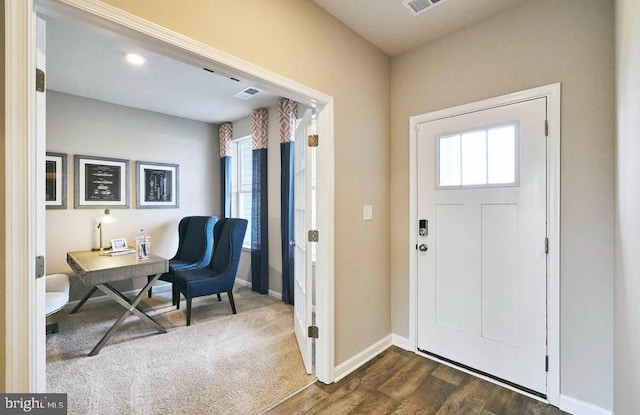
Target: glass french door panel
[299, 231]
[299, 189]
[299, 273]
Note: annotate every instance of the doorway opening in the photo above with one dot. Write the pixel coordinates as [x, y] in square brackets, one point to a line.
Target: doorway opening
[174, 45]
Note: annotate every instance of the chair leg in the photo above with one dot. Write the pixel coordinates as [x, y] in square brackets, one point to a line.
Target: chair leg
[174, 294]
[219, 298]
[233, 304]
[188, 311]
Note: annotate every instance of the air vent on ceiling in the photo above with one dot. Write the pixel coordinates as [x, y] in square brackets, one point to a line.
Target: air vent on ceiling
[247, 93]
[416, 7]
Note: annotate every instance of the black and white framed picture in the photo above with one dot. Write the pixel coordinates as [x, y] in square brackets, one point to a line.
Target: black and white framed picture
[157, 185]
[101, 182]
[55, 181]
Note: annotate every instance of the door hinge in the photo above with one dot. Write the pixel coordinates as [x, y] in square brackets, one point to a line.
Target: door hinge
[39, 80]
[313, 236]
[546, 128]
[39, 266]
[313, 140]
[546, 363]
[312, 332]
[546, 245]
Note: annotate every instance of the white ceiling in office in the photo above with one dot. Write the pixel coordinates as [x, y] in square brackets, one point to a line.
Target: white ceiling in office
[389, 25]
[90, 63]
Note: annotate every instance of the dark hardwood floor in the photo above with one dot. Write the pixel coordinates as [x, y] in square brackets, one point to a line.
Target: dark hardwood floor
[401, 382]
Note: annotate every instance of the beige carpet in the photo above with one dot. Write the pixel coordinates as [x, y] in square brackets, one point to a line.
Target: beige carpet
[221, 364]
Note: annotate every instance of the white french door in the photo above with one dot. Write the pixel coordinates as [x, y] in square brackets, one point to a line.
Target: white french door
[40, 223]
[481, 261]
[303, 208]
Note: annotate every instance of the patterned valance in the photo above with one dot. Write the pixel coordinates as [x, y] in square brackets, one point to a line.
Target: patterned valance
[259, 129]
[288, 112]
[225, 132]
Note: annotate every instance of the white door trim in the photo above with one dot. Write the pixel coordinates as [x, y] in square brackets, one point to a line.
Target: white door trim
[552, 93]
[20, 117]
[20, 246]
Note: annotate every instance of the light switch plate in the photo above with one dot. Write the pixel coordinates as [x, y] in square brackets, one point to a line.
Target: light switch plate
[367, 212]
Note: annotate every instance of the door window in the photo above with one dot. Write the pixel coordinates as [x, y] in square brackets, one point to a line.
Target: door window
[478, 158]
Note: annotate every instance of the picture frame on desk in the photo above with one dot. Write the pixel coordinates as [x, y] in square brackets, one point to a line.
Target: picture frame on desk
[55, 180]
[101, 182]
[157, 185]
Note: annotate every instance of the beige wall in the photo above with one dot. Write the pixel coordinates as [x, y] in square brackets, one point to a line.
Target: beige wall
[84, 126]
[538, 43]
[299, 40]
[627, 290]
[2, 209]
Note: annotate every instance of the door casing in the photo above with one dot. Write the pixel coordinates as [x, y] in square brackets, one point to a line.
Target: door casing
[22, 369]
[552, 93]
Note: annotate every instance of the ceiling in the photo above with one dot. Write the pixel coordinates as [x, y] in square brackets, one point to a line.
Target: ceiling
[389, 25]
[90, 63]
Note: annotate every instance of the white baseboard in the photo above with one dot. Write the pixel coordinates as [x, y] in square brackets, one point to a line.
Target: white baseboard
[275, 294]
[248, 284]
[577, 407]
[402, 342]
[343, 369]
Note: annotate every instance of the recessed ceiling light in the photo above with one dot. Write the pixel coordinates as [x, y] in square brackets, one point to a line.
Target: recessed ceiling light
[134, 58]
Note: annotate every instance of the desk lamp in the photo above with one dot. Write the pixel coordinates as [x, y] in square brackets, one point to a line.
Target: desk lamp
[106, 218]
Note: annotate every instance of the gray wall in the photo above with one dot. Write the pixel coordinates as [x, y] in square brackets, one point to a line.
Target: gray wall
[84, 126]
[627, 288]
[538, 43]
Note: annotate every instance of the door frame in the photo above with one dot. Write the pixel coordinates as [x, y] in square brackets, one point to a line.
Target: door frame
[21, 335]
[552, 93]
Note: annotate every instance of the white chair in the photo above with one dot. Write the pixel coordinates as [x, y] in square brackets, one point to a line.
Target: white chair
[57, 296]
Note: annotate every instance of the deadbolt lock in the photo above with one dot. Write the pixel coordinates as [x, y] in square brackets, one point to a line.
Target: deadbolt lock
[423, 227]
[423, 247]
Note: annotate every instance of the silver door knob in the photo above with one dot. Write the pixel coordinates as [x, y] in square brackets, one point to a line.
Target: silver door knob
[423, 247]
[292, 243]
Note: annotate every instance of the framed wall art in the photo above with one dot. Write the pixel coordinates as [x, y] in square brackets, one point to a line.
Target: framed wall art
[101, 182]
[157, 185]
[55, 181]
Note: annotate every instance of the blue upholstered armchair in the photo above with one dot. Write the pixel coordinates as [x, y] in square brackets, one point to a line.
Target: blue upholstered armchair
[195, 247]
[220, 275]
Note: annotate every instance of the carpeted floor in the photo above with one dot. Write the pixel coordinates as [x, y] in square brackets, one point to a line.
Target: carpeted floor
[221, 364]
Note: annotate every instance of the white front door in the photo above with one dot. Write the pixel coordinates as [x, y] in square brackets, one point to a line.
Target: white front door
[302, 292]
[481, 192]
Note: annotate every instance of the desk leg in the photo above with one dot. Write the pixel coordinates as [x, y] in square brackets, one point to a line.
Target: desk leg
[84, 300]
[131, 307]
[119, 294]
